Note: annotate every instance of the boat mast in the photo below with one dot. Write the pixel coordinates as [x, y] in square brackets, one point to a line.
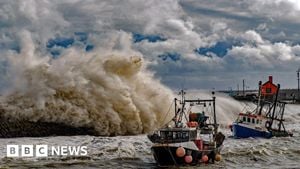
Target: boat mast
[259, 99]
[175, 100]
[214, 109]
[281, 117]
[179, 112]
[275, 105]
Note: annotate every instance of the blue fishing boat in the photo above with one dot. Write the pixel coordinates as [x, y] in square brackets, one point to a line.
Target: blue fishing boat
[265, 121]
[250, 125]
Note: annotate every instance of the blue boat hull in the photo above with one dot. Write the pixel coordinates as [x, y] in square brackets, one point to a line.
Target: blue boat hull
[240, 131]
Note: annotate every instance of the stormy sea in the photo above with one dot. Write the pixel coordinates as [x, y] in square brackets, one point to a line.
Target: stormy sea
[133, 151]
[101, 75]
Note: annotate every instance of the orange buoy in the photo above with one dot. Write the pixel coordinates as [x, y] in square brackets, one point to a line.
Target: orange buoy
[218, 157]
[192, 124]
[188, 159]
[180, 152]
[204, 158]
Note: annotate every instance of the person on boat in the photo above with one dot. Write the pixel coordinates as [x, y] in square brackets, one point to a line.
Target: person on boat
[202, 119]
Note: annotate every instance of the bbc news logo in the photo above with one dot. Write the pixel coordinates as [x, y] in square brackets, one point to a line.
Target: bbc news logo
[44, 150]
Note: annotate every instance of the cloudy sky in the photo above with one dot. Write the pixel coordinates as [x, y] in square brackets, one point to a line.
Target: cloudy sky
[200, 44]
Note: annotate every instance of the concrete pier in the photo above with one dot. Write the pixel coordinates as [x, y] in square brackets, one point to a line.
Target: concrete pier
[289, 95]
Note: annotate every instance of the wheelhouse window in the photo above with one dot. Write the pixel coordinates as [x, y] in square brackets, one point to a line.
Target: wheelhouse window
[248, 120]
[185, 135]
[166, 134]
[163, 135]
[179, 134]
[171, 135]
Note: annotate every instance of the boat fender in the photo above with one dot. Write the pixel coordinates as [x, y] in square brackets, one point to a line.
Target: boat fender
[218, 157]
[204, 159]
[180, 151]
[188, 159]
[268, 124]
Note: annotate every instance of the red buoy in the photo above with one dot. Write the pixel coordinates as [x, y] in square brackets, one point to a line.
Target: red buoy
[188, 159]
[204, 158]
[180, 152]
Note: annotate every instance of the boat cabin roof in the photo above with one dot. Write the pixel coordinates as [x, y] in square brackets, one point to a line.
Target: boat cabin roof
[249, 115]
[178, 129]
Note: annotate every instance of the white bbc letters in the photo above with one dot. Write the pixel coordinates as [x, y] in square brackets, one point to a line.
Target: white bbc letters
[44, 150]
[27, 150]
[12, 151]
[41, 150]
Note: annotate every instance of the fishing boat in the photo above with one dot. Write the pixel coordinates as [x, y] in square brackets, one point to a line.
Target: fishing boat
[191, 137]
[265, 121]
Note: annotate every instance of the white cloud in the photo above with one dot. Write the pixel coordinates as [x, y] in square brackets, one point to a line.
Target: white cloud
[253, 37]
[264, 33]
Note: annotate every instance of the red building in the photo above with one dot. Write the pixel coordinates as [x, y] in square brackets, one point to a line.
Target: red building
[268, 88]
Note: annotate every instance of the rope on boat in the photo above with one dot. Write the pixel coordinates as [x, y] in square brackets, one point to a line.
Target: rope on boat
[189, 111]
[167, 114]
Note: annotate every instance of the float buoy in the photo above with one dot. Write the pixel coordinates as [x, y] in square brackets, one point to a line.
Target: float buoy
[180, 152]
[268, 124]
[218, 157]
[204, 158]
[188, 159]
